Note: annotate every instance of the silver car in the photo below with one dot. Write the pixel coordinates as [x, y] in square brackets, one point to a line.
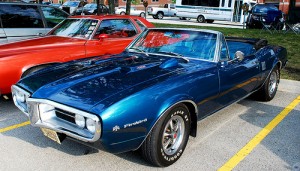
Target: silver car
[25, 20]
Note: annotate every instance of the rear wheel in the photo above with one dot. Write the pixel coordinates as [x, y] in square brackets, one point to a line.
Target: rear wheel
[269, 89]
[167, 140]
[201, 19]
[122, 13]
[142, 14]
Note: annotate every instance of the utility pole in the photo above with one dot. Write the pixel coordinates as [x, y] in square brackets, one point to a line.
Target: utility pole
[111, 4]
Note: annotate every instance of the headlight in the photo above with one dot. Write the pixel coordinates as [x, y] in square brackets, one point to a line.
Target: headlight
[46, 111]
[80, 121]
[20, 97]
[90, 125]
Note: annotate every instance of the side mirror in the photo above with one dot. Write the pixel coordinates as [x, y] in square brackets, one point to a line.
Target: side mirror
[239, 56]
[40, 34]
[103, 36]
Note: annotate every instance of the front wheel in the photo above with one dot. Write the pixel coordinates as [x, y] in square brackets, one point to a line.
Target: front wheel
[122, 13]
[167, 140]
[155, 16]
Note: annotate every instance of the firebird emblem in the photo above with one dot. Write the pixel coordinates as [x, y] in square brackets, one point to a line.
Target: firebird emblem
[116, 128]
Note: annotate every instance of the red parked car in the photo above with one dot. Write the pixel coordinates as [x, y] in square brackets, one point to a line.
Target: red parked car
[74, 38]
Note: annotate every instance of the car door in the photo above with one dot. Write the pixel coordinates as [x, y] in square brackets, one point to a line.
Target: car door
[238, 77]
[115, 35]
[21, 21]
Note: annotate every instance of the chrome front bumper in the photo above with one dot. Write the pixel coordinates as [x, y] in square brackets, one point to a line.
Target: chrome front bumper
[58, 119]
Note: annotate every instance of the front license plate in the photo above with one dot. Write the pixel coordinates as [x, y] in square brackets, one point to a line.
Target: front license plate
[51, 134]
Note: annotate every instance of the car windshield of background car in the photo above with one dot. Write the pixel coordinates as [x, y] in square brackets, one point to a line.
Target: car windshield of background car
[77, 28]
[264, 9]
[193, 44]
[71, 4]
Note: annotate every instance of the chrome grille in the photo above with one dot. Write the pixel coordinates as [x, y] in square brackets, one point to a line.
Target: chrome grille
[67, 116]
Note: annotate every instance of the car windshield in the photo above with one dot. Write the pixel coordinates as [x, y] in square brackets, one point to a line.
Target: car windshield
[71, 3]
[187, 43]
[78, 28]
[264, 9]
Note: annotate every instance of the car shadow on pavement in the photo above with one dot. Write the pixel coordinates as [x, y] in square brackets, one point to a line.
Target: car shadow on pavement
[283, 140]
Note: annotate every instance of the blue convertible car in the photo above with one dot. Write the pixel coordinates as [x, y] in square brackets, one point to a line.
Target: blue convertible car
[151, 96]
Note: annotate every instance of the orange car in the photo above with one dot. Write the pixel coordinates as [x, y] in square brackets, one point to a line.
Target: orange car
[74, 38]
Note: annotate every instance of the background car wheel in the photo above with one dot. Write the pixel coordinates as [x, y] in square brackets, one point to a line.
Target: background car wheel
[142, 14]
[155, 16]
[122, 13]
[201, 19]
[167, 140]
[269, 89]
[160, 15]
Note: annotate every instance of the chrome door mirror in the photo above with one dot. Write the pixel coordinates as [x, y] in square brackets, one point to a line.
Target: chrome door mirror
[239, 56]
[40, 34]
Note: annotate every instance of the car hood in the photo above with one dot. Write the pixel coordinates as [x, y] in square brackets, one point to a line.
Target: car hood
[86, 83]
[38, 44]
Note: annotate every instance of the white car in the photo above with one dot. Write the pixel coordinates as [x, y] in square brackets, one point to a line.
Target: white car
[133, 11]
[71, 6]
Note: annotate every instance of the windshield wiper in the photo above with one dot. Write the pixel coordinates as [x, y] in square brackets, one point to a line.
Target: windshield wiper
[138, 49]
[175, 54]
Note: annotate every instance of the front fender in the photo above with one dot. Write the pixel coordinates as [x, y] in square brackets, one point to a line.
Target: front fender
[126, 124]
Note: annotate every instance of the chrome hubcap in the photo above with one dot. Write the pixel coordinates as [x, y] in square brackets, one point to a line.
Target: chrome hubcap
[272, 83]
[160, 15]
[173, 135]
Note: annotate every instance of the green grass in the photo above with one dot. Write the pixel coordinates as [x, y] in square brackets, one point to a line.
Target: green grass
[290, 41]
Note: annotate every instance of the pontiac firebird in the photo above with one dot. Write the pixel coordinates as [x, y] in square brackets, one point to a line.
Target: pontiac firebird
[150, 96]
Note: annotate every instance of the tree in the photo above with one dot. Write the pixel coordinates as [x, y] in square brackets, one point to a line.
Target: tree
[128, 6]
[98, 7]
[111, 4]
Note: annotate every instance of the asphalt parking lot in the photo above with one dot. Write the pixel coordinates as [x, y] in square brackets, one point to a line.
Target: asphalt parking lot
[221, 142]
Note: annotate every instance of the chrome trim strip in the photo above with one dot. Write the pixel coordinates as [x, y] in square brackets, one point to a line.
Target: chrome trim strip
[60, 125]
